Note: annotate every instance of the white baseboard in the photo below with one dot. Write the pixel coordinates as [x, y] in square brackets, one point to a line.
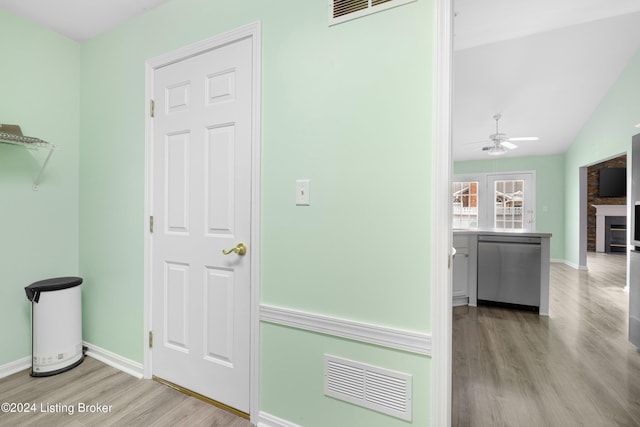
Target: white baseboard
[459, 300]
[122, 363]
[570, 264]
[15, 366]
[268, 420]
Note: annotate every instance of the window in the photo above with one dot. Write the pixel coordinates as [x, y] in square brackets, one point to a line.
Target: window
[465, 204]
[503, 201]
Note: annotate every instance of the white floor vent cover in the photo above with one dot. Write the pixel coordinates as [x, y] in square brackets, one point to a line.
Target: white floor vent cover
[375, 388]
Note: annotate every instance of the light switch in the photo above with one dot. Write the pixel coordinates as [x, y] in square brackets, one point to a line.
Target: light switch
[302, 192]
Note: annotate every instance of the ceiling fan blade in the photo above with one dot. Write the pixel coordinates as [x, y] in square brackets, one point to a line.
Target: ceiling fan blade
[484, 141]
[525, 138]
[508, 145]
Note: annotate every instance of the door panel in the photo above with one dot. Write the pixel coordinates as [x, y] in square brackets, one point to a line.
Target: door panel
[219, 304]
[201, 205]
[176, 299]
[177, 182]
[221, 171]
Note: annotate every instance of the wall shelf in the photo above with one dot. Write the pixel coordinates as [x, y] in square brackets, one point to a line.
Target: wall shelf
[12, 135]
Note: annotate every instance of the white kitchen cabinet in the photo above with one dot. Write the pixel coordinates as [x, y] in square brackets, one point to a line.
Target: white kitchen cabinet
[464, 269]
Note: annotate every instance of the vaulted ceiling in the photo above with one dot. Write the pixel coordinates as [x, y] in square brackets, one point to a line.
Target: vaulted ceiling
[544, 65]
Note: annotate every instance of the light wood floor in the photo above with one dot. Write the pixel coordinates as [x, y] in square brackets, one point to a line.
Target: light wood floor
[510, 368]
[573, 368]
[133, 402]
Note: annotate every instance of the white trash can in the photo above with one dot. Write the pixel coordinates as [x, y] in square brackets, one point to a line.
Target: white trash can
[56, 325]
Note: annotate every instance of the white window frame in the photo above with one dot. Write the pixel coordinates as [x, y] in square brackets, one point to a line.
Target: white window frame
[486, 204]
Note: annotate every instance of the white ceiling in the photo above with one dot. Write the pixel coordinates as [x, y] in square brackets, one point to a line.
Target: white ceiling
[544, 65]
[79, 19]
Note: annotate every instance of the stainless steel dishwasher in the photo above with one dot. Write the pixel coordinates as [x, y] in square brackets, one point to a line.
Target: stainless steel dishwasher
[509, 270]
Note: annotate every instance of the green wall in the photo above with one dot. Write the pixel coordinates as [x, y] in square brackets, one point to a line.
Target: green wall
[348, 107]
[292, 384]
[39, 90]
[550, 205]
[607, 134]
[335, 110]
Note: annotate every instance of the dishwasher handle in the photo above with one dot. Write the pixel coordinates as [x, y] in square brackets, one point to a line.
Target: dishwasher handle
[510, 239]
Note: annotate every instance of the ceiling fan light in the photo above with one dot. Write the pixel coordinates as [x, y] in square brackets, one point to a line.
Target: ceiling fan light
[496, 150]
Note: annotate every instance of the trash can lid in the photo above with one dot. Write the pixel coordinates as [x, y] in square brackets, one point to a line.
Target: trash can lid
[55, 284]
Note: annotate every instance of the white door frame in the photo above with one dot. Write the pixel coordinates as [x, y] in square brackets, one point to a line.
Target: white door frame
[441, 234]
[254, 32]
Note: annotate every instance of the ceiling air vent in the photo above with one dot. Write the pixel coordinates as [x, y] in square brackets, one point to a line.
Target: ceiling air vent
[345, 10]
[369, 386]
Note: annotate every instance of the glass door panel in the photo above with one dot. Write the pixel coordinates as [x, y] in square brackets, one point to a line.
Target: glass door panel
[465, 204]
[513, 202]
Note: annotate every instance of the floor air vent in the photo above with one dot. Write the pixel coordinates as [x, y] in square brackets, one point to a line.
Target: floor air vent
[369, 386]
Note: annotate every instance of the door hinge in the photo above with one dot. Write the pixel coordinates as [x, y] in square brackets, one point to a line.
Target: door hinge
[150, 339]
[152, 108]
[151, 224]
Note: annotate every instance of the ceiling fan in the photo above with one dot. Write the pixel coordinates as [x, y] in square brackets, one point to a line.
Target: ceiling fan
[501, 143]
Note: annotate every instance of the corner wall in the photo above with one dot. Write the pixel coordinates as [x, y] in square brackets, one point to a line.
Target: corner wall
[39, 90]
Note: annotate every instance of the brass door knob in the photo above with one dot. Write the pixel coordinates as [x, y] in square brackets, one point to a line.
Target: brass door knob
[240, 249]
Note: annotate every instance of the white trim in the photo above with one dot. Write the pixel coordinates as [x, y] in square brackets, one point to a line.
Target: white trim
[460, 298]
[114, 360]
[268, 420]
[253, 31]
[602, 212]
[15, 366]
[441, 234]
[148, 204]
[572, 264]
[256, 218]
[399, 339]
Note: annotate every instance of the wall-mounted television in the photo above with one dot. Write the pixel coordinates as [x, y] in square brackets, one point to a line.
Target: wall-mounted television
[613, 182]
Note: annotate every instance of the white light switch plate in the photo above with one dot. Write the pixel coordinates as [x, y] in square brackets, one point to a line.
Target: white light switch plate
[302, 192]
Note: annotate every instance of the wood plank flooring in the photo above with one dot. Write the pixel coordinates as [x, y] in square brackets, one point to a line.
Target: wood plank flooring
[510, 368]
[573, 368]
[132, 402]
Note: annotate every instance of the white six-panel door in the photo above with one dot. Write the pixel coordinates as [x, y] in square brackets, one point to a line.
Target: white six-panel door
[201, 204]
